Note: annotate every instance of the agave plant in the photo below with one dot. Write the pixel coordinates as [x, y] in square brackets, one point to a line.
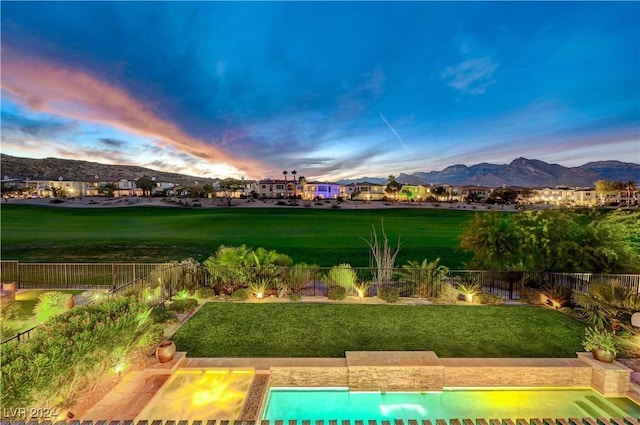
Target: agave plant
[51, 304]
[468, 287]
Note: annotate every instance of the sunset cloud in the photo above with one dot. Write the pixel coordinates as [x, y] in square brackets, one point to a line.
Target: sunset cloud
[53, 89]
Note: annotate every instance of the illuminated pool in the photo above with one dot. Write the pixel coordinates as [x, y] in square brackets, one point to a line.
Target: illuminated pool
[340, 404]
[199, 395]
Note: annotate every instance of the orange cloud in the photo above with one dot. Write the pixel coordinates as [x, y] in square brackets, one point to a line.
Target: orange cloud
[53, 89]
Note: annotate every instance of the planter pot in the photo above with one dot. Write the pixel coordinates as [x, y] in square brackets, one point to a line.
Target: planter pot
[468, 297]
[70, 303]
[9, 286]
[603, 355]
[165, 351]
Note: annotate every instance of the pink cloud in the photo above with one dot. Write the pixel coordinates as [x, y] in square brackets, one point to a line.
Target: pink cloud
[50, 88]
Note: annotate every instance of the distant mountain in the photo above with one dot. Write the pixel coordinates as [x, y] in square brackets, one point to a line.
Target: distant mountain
[53, 168]
[527, 173]
[520, 172]
[375, 180]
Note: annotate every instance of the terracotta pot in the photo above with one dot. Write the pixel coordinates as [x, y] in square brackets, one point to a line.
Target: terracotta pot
[9, 286]
[165, 351]
[603, 355]
[70, 303]
[468, 297]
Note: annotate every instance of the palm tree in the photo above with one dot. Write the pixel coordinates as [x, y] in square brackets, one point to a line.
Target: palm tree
[294, 172]
[285, 172]
[425, 278]
[631, 189]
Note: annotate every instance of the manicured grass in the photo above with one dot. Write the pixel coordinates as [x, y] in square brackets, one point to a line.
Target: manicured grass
[328, 330]
[156, 234]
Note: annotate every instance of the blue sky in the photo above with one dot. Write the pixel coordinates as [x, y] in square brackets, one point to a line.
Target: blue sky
[330, 89]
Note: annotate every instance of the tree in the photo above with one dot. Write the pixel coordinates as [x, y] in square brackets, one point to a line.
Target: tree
[425, 278]
[630, 185]
[393, 187]
[294, 172]
[108, 189]
[504, 196]
[286, 186]
[606, 188]
[147, 184]
[229, 188]
[555, 240]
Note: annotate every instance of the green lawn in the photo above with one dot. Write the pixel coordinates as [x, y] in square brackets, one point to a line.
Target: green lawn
[155, 234]
[328, 330]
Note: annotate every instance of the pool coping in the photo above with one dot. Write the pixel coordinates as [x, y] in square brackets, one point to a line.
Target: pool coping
[381, 371]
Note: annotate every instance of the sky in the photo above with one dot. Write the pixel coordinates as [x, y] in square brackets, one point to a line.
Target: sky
[330, 89]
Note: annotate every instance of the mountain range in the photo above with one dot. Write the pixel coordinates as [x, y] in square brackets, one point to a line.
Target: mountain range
[520, 172]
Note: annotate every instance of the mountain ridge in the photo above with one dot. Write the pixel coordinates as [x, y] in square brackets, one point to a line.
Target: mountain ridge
[519, 172]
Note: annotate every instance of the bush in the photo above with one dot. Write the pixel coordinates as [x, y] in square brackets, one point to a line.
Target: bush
[51, 304]
[295, 297]
[160, 314]
[341, 275]
[153, 336]
[531, 296]
[558, 296]
[9, 309]
[69, 353]
[183, 306]
[241, 294]
[389, 294]
[448, 294]
[337, 293]
[485, 298]
[205, 292]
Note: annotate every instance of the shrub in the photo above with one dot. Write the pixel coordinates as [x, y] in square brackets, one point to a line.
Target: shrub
[295, 297]
[154, 335]
[184, 305]
[596, 338]
[341, 275]
[448, 294]
[337, 293]
[389, 294]
[9, 309]
[532, 296]
[485, 298]
[161, 314]
[281, 203]
[69, 353]
[241, 294]
[205, 292]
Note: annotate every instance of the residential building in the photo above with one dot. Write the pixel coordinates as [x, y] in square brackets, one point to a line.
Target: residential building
[277, 188]
[413, 193]
[365, 191]
[321, 190]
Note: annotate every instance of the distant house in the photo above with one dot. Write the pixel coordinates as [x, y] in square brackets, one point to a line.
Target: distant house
[365, 191]
[476, 193]
[60, 187]
[321, 190]
[276, 188]
[413, 193]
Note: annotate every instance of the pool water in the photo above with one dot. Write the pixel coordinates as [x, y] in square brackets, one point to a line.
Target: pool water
[199, 395]
[341, 404]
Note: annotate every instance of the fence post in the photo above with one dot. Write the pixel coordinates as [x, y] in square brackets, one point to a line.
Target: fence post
[113, 276]
[18, 277]
[66, 276]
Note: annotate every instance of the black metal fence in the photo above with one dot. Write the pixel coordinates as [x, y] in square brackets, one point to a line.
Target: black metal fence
[73, 275]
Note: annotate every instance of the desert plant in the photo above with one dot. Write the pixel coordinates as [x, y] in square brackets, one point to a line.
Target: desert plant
[532, 296]
[51, 304]
[448, 294]
[361, 288]
[182, 294]
[557, 296]
[259, 286]
[161, 314]
[183, 305]
[607, 305]
[468, 287]
[598, 338]
[425, 278]
[382, 256]
[299, 275]
[9, 309]
[337, 293]
[341, 275]
[485, 298]
[388, 294]
[241, 294]
[205, 292]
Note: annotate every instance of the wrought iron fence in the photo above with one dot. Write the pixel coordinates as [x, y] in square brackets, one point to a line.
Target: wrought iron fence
[73, 275]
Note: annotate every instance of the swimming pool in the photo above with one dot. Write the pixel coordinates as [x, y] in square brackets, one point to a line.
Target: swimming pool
[341, 404]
